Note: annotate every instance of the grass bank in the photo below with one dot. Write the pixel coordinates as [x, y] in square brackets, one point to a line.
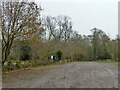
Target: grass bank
[41, 67]
[107, 61]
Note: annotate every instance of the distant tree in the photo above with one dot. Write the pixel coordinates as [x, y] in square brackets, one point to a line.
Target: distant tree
[100, 42]
[58, 28]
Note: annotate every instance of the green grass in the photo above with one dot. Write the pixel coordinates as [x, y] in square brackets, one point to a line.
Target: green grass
[105, 61]
[50, 66]
[118, 64]
[4, 76]
[44, 67]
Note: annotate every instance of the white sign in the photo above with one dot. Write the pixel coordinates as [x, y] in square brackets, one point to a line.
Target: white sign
[51, 56]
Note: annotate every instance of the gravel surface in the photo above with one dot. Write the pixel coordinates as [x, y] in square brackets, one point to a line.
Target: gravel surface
[73, 75]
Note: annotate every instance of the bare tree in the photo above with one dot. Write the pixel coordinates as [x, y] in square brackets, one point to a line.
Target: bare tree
[58, 28]
[18, 19]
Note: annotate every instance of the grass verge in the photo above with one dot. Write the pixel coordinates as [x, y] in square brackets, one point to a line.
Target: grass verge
[105, 61]
[42, 67]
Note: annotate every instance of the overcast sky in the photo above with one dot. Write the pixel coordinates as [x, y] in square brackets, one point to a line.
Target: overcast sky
[85, 14]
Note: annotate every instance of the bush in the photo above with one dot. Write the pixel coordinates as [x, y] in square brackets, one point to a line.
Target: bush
[25, 50]
[58, 55]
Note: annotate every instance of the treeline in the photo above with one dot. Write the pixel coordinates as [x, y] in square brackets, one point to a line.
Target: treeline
[27, 36]
[97, 46]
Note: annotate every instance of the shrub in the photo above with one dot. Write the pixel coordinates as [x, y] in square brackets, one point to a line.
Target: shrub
[58, 55]
[25, 50]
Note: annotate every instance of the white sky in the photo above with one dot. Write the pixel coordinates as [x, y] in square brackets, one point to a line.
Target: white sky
[85, 14]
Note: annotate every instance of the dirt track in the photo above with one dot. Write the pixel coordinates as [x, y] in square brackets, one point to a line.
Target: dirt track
[73, 75]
